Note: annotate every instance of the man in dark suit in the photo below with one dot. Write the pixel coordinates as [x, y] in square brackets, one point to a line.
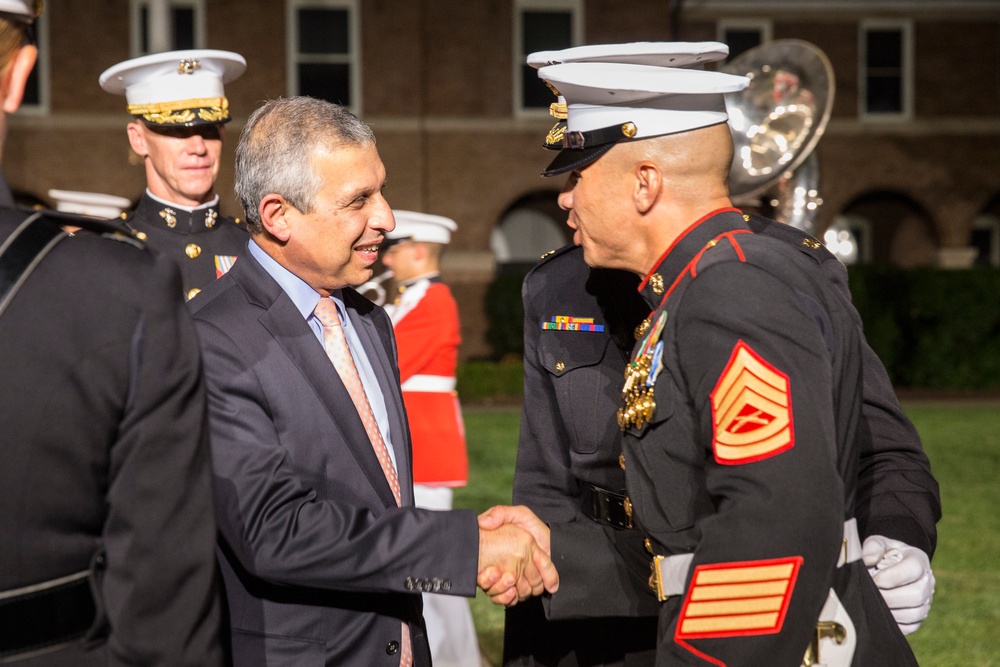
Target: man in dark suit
[107, 556]
[323, 555]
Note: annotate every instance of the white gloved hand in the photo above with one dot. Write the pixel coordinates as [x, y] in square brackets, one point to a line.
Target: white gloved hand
[903, 576]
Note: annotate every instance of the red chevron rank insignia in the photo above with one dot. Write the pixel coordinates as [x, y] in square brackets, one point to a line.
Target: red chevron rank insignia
[738, 599]
[751, 410]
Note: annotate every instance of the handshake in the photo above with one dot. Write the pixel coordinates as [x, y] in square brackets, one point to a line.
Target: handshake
[514, 555]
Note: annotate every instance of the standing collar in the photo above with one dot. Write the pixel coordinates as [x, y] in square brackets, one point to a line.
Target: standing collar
[671, 265]
[177, 218]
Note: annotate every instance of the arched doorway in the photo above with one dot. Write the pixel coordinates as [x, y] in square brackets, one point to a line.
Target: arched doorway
[895, 229]
[530, 227]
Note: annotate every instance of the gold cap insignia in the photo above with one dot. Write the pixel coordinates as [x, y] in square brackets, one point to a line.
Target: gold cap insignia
[555, 135]
[169, 215]
[188, 66]
[192, 250]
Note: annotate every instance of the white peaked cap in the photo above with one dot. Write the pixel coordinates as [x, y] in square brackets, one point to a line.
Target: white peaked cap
[413, 226]
[173, 81]
[94, 204]
[19, 8]
[611, 102]
[657, 100]
[659, 54]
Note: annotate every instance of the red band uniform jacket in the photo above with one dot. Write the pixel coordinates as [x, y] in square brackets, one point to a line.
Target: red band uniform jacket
[426, 325]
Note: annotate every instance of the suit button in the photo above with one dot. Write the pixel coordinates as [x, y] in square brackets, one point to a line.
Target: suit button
[446, 585]
[435, 585]
[409, 583]
[392, 648]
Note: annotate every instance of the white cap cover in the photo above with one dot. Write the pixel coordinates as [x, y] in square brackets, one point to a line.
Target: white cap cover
[659, 54]
[94, 204]
[425, 227]
[176, 87]
[25, 9]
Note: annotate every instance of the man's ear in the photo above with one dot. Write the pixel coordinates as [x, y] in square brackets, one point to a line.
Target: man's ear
[137, 138]
[15, 76]
[648, 184]
[275, 217]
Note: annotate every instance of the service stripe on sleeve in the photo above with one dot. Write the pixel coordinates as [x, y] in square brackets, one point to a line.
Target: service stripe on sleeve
[738, 599]
[751, 409]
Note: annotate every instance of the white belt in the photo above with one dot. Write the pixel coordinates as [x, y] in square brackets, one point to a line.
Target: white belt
[430, 383]
[669, 573]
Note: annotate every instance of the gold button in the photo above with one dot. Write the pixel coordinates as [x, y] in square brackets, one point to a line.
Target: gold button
[629, 129]
[648, 545]
[621, 460]
[192, 250]
[141, 236]
[192, 292]
[746, 218]
[560, 367]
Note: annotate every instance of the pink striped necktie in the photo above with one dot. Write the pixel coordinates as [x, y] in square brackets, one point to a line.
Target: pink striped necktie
[335, 343]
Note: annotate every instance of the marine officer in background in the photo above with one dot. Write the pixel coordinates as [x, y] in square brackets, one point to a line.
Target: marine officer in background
[425, 320]
[179, 111]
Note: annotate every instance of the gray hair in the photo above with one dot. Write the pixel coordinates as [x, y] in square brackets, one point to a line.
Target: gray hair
[274, 154]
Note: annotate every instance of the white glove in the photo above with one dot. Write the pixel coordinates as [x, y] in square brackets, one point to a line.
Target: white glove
[903, 576]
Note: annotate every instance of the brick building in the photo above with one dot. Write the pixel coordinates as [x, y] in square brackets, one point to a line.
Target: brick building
[910, 161]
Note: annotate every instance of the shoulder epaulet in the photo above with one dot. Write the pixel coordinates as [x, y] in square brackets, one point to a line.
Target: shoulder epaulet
[793, 236]
[113, 228]
[558, 252]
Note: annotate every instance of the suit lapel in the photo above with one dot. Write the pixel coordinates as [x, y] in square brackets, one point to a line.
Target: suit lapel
[284, 322]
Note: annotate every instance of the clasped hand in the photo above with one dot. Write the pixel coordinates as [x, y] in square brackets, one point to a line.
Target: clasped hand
[514, 555]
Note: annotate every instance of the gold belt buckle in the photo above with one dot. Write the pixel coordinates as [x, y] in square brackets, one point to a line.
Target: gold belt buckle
[655, 582]
[830, 629]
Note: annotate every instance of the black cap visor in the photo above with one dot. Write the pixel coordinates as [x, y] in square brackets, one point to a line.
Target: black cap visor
[575, 158]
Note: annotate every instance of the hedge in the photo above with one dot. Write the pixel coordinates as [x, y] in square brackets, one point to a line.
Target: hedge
[932, 328]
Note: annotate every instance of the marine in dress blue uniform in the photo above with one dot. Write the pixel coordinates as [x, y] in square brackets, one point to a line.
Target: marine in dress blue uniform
[742, 400]
[179, 109]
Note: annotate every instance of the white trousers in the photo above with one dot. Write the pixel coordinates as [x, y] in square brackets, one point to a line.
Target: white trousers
[450, 631]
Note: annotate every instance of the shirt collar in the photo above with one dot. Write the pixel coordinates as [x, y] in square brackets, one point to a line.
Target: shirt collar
[302, 295]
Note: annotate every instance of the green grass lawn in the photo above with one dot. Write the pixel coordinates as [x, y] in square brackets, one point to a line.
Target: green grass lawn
[963, 443]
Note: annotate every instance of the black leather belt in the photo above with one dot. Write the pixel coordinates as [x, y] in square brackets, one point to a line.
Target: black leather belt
[43, 617]
[607, 507]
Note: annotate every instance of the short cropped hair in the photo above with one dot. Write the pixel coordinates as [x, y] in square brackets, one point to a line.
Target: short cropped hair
[275, 151]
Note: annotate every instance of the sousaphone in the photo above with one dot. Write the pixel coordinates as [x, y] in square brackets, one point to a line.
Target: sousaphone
[776, 123]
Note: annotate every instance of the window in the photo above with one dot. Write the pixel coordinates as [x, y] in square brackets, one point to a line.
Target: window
[541, 25]
[986, 240]
[743, 35]
[885, 62]
[323, 42]
[36, 90]
[187, 26]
